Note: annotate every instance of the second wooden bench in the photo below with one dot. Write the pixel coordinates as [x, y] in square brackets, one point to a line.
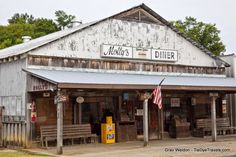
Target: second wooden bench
[223, 127]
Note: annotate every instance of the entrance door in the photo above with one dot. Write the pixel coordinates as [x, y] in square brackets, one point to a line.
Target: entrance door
[153, 121]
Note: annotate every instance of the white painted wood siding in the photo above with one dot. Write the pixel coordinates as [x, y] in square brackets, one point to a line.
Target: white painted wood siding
[86, 43]
[13, 87]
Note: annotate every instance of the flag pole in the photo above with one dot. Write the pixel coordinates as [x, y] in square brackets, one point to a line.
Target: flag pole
[145, 116]
[160, 114]
[161, 81]
[158, 85]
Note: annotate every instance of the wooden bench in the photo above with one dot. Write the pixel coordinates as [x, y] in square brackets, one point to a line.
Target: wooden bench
[70, 132]
[203, 127]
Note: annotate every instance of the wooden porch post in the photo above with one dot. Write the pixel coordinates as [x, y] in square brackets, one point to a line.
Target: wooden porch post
[159, 122]
[145, 122]
[59, 123]
[80, 113]
[75, 106]
[213, 115]
[162, 123]
[28, 127]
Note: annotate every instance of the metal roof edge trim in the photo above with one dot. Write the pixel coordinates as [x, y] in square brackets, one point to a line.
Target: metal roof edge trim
[38, 76]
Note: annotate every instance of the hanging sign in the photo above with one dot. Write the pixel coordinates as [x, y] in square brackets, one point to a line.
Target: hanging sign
[224, 109]
[46, 94]
[213, 94]
[62, 98]
[80, 99]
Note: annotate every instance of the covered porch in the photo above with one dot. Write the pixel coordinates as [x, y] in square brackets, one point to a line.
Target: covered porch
[121, 92]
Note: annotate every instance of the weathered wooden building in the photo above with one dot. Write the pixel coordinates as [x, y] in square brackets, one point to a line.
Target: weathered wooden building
[231, 98]
[110, 63]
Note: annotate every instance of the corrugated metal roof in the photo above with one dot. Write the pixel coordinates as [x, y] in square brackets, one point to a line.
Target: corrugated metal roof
[77, 77]
[25, 47]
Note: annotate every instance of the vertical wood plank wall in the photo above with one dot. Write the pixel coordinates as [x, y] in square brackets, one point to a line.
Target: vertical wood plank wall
[122, 65]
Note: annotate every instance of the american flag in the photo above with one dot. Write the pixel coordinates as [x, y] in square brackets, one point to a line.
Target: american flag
[157, 97]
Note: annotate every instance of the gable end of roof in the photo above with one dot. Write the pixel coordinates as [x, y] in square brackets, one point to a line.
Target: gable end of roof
[84, 26]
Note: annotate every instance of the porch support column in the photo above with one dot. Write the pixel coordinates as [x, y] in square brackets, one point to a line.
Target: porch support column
[80, 113]
[213, 115]
[75, 106]
[162, 123]
[28, 128]
[145, 122]
[59, 123]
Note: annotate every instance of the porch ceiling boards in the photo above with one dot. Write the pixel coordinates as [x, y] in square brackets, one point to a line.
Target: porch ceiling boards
[99, 80]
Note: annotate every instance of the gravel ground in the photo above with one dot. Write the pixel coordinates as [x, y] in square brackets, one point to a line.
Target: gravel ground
[193, 147]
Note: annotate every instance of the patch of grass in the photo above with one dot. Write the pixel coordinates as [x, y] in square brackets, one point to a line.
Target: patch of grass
[4, 153]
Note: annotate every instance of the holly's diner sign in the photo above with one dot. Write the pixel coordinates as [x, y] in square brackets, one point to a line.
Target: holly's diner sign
[114, 51]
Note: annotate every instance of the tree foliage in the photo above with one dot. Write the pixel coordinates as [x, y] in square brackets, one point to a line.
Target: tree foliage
[11, 34]
[64, 20]
[25, 25]
[204, 33]
[21, 19]
[43, 26]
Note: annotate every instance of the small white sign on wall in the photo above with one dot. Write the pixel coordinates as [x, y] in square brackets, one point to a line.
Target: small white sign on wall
[164, 55]
[175, 102]
[224, 101]
[193, 101]
[142, 53]
[139, 112]
[29, 106]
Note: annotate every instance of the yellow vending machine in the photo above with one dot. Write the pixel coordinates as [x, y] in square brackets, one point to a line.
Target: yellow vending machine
[108, 131]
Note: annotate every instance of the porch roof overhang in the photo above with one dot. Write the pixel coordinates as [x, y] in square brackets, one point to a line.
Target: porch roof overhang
[101, 80]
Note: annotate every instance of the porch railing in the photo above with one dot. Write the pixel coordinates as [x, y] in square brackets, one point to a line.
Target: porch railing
[14, 134]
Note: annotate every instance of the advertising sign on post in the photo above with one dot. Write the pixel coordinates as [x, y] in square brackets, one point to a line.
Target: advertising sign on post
[62, 98]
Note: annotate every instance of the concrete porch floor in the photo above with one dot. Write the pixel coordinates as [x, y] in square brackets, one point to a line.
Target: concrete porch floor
[224, 146]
